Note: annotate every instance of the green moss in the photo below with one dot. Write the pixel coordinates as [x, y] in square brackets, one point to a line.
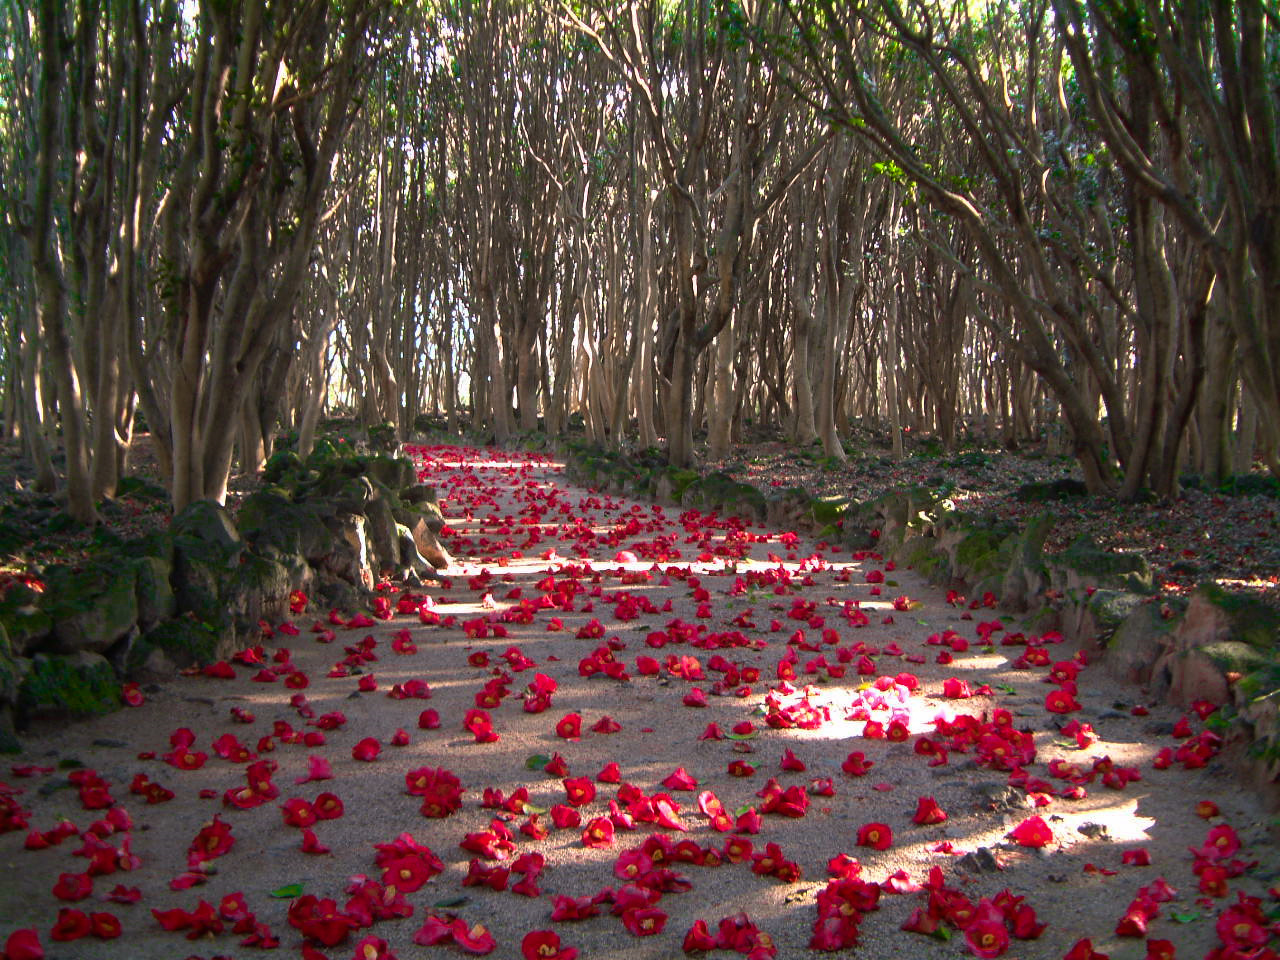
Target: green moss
[828, 510]
[82, 683]
[1233, 656]
[681, 480]
[22, 619]
[184, 640]
[1252, 621]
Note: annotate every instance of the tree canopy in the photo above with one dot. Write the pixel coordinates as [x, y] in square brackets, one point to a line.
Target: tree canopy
[645, 220]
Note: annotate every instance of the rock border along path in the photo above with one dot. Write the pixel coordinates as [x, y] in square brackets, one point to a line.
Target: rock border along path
[573, 598]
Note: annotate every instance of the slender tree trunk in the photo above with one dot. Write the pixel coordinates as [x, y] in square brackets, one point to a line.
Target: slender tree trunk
[51, 305]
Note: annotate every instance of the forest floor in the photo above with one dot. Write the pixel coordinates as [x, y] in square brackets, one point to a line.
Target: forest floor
[918, 773]
[1230, 535]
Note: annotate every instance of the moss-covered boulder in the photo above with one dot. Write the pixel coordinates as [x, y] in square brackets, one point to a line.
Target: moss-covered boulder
[1217, 614]
[13, 670]
[975, 550]
[283, 467]
[22, 619]
[785, 508]
[426, 511]
[1085, 564]
[258, 589]
[1224, 639]
[394, 473]
[350, 558]
[926, 557]
[184, 641]
[1138, 643]
[1026, 576]
[271, 518]
[418, 493]
[827, 511]
[1096, 615]
[380, 524]
[670, 483]
[155, 597]
[91, 606]
[209, 523]
[79, 684]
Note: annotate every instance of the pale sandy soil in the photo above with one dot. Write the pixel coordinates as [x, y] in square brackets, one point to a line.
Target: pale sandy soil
[495, 504]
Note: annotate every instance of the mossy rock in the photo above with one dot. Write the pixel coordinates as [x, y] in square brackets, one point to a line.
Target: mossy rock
[1114, 571]
[260, 508]
[681, 479]
[199, 572]
[83, 684]
[1137, 643]
[282, 466]
[258, 589]
[1109, 609]
[828, 511]
[417, 493]
[25, 624]
[158, 544]
[979, 553]
[210, 523]
[428, 511]
[380, 525]
[1250, 620]
[268, 518]
[923, 555]
[184, 640]
[394, 473]
[153, 590]
[1235, 656]
[91, 606]
[324, 453]
[12, 669]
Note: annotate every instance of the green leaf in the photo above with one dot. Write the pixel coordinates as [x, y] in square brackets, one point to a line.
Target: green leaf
[1007, 688]
[537, 762]
[530, 809]
[288, 891]
[743, 736]
[741, 810]
[1185, 917]
[452, 902]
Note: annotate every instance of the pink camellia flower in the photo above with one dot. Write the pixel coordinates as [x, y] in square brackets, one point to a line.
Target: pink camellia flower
[1060, 701]
[24, 945]
[545, 945]
[928, 811]
[878, 836]
[680, 779]
[987, 938]
[570, 726]
[644, 921]
[1032, 832]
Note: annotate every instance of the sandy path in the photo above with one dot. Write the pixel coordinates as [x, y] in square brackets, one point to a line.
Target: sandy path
[517, 508]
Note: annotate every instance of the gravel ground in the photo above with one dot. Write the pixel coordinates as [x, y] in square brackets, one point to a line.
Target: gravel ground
[515, 523]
